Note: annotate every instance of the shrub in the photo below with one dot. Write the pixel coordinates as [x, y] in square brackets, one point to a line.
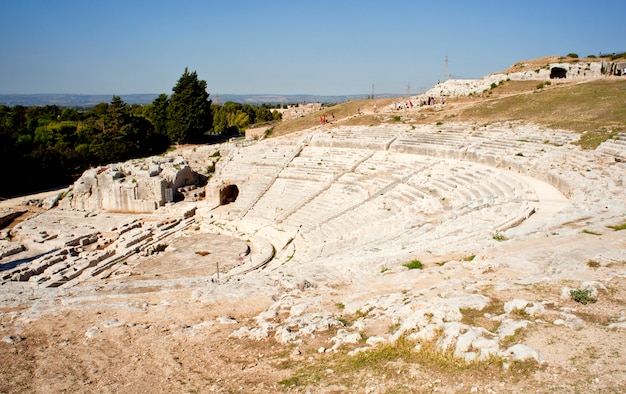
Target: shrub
[413, 264]
[582, 296]
[618, 55]
[573, 55]
[593, 264]
[499, 237]
[540, 85]
[494, 85]
[619, 227]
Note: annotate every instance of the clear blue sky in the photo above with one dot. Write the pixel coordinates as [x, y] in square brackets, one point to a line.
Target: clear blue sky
[286, 47]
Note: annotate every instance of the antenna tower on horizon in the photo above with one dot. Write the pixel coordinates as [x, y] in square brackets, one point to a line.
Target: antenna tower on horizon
[446, 76]
[408, 90]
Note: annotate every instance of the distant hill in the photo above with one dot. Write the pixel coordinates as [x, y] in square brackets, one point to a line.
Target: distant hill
[89, 100]
[72, 100]
[257, 99]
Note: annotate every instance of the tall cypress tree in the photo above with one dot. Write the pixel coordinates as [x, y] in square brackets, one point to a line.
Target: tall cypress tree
[189, 110]
[158, 114]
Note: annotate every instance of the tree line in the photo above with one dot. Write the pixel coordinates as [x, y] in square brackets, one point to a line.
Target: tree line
[43, 147]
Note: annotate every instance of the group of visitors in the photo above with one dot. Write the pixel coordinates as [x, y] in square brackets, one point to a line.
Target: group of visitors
[432, 100]
[324, 119]
[401, 106]
[423, 101]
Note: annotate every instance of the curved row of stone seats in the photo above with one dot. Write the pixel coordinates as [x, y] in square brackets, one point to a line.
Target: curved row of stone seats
[573, 159]
[272, 154]
[330, 202]
[376, 138]
[261, 252]
[291, 193]
[520, 212]
[335, 240]
[347, 191]
[393, 165]
[485, 185]
[443, 139]
[310, 172]
[372, 223]
[417, 190]
[329, 158]
[354, 229]
[566, 168]
[497, 148]
[312, 165]
[256, 184]
[615, 147]
[406, 194]
[257, 166]
[411, 146]
[409, 187]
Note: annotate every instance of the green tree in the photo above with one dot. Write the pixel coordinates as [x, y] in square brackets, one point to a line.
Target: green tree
[240, 119]
[117, 115]
[189, 112]
[69, 114]
[158, 113]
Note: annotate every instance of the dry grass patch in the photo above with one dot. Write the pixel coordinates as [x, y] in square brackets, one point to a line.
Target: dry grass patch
[345, 114]
[514, 87]
[363, 120]
[482, 317]
[589, 106]
[402, 366]
[596, 109]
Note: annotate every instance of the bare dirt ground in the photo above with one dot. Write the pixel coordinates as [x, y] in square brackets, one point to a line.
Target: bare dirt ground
[158, 325]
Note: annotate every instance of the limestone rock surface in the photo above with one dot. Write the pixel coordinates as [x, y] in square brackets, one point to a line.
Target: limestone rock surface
[141, 185]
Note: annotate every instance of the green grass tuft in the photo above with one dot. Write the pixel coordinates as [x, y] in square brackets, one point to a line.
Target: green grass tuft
[413, 265]
[619, 227]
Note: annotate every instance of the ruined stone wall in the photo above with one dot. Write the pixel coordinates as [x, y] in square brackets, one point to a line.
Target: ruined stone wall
[464, 87]
[135, 186]
[300, 110]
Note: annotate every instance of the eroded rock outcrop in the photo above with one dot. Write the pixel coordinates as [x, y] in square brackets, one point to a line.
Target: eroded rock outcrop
[571, 71]
[141, 185]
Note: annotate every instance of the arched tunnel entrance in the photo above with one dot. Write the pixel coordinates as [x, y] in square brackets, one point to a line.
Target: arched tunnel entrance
[228, 194]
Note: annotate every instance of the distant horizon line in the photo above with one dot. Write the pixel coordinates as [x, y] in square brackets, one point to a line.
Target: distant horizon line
[211, 94]
[84, 100]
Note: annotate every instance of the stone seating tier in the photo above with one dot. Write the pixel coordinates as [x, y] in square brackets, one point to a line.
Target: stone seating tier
[420, 183]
